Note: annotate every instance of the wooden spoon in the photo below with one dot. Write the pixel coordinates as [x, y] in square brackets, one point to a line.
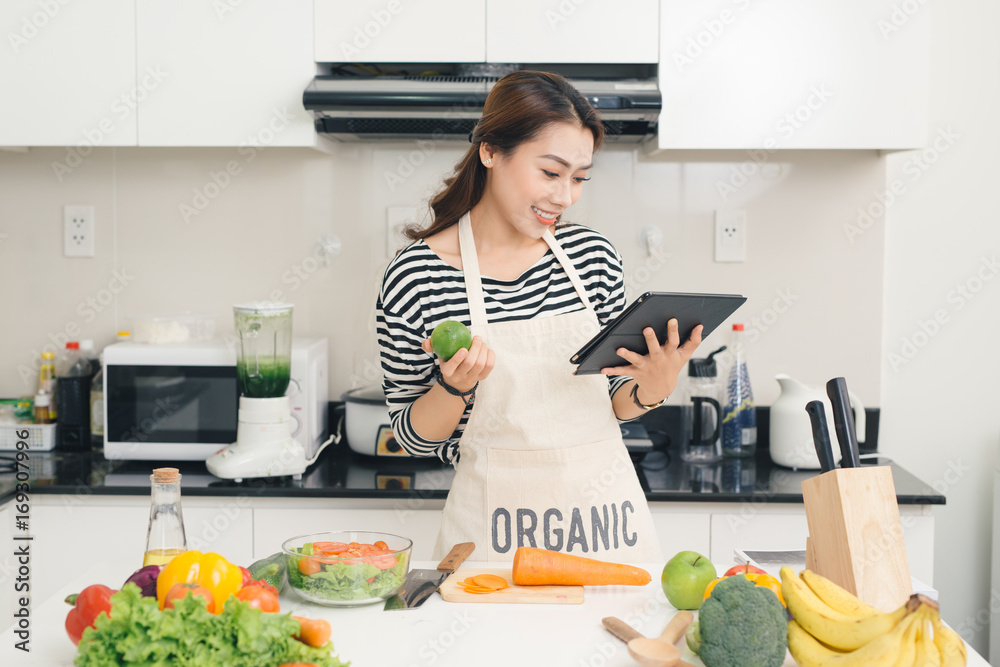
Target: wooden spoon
[626, 633]
[661, 652]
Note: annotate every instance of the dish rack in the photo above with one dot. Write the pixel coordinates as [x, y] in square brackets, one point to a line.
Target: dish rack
[41, 437]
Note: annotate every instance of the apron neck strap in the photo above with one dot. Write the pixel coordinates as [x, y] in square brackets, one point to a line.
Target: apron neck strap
[470, 267]
[473, 278]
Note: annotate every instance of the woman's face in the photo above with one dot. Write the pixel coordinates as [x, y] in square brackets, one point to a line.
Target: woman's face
[543, 177]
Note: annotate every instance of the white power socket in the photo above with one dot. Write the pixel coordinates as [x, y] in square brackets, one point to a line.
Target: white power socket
[396, 220]
[78, 231]
[730, 235]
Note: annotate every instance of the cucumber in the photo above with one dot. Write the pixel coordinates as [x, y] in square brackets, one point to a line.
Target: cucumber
[270, 570]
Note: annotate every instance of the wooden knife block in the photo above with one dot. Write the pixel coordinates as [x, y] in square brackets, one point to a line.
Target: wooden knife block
[855, 536]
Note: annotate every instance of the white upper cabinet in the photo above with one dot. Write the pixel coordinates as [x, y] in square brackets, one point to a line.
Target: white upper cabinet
[572, 31]
[233, 72]
[401, 31]
[68, 74]
[790, 74]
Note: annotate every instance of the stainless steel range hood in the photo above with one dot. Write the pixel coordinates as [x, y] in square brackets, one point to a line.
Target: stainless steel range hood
[349, 107]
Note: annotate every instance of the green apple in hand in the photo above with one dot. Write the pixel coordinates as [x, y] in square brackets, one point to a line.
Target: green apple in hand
[685, 578]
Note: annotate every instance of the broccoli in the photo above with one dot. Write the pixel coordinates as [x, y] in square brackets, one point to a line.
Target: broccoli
[742, 625]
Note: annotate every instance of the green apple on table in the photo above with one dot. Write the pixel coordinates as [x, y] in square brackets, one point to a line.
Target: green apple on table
[685, 577]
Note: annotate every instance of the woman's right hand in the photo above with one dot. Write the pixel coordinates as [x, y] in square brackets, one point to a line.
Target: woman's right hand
[467, 367]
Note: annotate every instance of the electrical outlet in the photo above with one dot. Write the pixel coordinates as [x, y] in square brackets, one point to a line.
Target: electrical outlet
[396, 220]
[78, 231]
[730, 235]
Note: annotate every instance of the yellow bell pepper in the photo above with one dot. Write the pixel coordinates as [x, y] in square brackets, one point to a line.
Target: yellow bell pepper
[210, 570]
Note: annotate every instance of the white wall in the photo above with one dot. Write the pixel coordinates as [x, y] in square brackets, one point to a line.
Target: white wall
[939, 381]
[815, 299]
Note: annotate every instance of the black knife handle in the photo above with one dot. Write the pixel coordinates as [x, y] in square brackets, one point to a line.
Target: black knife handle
[843, 420]
[821, 435]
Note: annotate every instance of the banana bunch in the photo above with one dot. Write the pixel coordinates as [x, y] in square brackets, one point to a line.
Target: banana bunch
[833, 628]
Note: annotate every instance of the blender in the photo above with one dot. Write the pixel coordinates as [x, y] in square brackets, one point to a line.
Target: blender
[264, 445]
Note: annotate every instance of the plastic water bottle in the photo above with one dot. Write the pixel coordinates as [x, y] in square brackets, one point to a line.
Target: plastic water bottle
[73, 375]
[739, 420]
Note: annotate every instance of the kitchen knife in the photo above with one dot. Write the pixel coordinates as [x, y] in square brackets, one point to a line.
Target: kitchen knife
[836, 389]
[821, 435]
[420, 584]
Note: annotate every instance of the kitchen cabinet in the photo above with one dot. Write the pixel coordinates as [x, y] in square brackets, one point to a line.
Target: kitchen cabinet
[8, 569]
[792, 75]
[69, 76]
[778, 528]
[399, 31]
[73, 533]
[572, 31]
[681, 529]
[232, 73]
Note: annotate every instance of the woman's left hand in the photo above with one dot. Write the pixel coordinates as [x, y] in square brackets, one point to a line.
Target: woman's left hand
[656, 373]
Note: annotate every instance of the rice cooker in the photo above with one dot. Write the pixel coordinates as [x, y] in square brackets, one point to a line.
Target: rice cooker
[369, 430]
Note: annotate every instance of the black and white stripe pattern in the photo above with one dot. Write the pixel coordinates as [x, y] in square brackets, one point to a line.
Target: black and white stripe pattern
[419, 291]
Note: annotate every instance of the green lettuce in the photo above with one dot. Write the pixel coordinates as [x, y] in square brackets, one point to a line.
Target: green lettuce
[138, 633]
[348, 580]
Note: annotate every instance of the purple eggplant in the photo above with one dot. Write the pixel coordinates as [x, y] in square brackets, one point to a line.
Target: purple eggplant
[145, 578]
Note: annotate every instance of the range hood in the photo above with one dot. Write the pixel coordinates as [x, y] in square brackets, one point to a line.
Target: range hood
[352, 106]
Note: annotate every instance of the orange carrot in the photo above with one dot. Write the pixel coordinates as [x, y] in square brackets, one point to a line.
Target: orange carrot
[533, 567]
[313, 632]
[490, 581]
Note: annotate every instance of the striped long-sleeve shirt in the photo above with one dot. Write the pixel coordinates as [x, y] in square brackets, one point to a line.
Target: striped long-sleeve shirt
[419, 291]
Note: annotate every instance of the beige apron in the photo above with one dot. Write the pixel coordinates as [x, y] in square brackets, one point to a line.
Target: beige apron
[542, 460]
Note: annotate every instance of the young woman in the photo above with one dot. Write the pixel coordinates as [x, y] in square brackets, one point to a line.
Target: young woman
[538, 451]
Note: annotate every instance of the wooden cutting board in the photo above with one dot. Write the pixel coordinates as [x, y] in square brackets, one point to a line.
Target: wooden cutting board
[451, 592]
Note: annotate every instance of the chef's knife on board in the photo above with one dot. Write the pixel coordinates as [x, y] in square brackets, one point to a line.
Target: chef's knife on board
[836, 389]
[821, 435]
[420, 584]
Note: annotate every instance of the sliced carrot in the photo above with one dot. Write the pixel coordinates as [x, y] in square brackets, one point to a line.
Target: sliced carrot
[477, 591]
[534, 567]
[490, 581]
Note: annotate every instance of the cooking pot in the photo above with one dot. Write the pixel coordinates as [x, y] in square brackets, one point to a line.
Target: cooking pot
[369, 430]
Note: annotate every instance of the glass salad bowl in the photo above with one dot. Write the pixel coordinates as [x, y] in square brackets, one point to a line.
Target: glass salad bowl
[347, 568]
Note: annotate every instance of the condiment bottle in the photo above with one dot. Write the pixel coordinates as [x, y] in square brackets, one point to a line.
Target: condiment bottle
[47, 380]
[739, 421]
[165, 537]
[73, 371]
[43, 401]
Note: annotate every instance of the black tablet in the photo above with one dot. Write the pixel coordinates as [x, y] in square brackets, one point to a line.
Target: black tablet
[654, 309]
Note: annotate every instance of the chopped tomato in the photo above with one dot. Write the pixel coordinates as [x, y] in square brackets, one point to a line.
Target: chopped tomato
[328, 548]
[384, 562]
[381, 545]
[309, 566]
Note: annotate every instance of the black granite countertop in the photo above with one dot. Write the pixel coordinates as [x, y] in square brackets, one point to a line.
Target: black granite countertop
[340, 473]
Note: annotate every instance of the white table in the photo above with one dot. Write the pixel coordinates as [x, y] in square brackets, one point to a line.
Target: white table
[438, 633]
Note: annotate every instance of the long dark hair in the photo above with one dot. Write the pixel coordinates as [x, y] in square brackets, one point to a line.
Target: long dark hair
[518, 108]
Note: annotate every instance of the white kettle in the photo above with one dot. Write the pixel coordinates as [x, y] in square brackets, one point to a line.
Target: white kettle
[791, 439]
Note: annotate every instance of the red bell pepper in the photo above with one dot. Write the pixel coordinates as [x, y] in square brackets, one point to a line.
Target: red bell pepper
[87, 606]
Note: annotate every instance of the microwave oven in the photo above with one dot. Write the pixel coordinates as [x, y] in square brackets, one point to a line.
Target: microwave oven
[180, 402]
